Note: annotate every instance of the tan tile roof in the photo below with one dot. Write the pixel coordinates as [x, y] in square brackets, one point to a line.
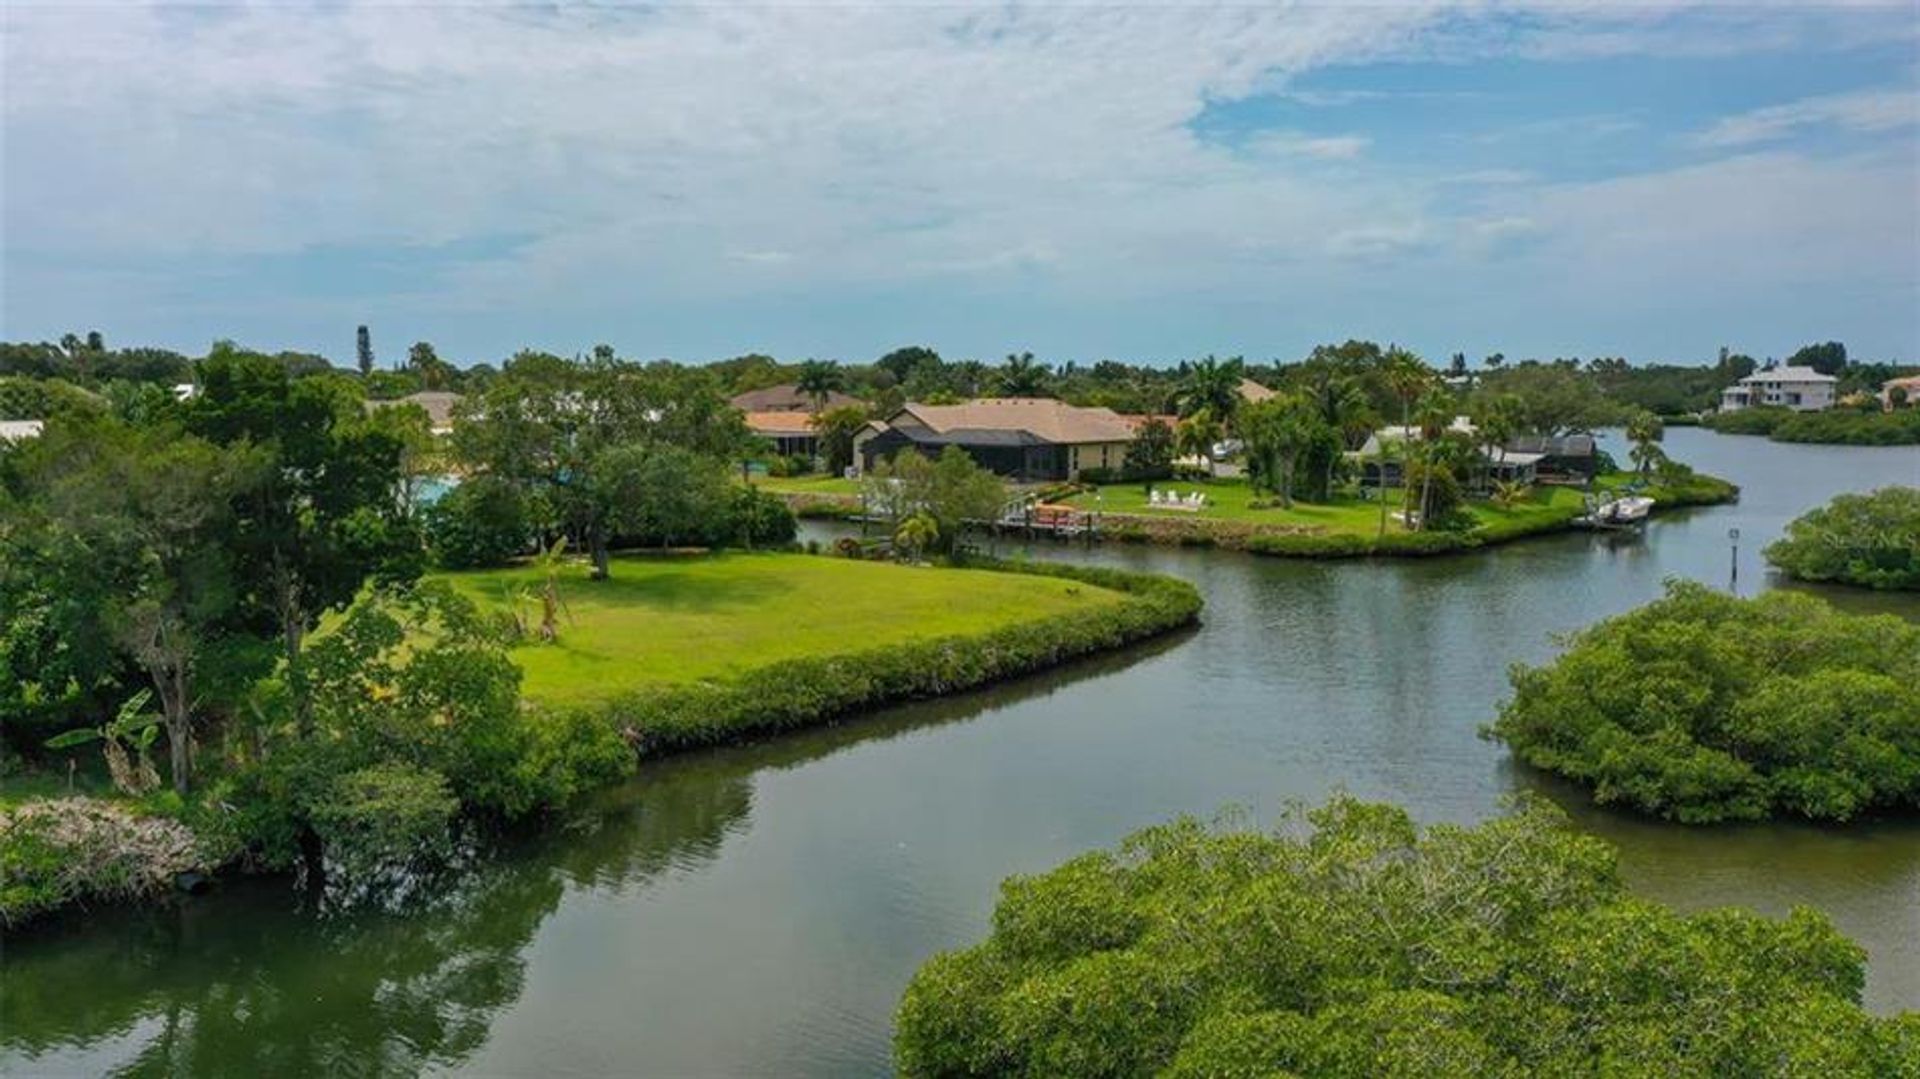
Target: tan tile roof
[1253, 391]
[787, 424]
[786, 398]
[1055, 421]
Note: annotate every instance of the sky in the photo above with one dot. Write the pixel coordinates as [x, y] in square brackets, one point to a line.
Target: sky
[1085, 181]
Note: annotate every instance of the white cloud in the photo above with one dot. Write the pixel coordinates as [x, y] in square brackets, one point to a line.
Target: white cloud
[713, 153]
[1868, 110]
[1321, 147]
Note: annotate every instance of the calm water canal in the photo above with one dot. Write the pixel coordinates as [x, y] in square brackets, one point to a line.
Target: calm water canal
[757, 911]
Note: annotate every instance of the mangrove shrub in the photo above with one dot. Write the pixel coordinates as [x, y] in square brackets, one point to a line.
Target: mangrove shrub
[1366, 946]
[1704, 707]
[1870, 540]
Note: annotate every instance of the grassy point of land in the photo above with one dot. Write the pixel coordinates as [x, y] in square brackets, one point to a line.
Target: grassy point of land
[664, 621]
[822, 485]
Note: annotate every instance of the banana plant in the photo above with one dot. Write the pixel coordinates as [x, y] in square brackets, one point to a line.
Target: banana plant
[131, 726]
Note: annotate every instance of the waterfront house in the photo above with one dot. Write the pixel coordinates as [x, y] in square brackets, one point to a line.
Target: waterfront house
[1799, 388]
[790, 432]
[1529, 459]
[1909, 388]
[1025, 438]
[787, 398]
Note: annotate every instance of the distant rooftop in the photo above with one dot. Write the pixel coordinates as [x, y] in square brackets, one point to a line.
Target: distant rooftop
[1044, 417]
[1788, 374]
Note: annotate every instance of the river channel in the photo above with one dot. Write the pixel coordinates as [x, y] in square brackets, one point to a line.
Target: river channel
[757, 911]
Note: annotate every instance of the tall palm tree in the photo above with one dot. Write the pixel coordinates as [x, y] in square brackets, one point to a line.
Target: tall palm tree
[819, 380]
[1645, 431]
[1214, 385]
[1021, 376]
[1342, 404]
[1407, 376]
[1435, 415]
[1496, 421]
[1197, 434]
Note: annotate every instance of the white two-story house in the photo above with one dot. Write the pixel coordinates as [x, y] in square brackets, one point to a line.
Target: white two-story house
[1800, 388]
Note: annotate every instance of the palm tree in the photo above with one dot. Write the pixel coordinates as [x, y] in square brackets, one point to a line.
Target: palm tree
[819, 380]
[1342, 403]
[1407, 377]
[1645, 431]
[916, 534]
[1433, 419]
[1213, 385]
[1196, 436]
[1021, 376]
[1496, 422]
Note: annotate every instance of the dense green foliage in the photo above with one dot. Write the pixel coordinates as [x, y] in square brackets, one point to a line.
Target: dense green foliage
[950, 489]
[1370, 947]
[1703, 707]
[1871, 540]
[1844, 426]
[806, 691]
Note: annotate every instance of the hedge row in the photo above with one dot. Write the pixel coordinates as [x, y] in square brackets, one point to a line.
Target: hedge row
[805, 692]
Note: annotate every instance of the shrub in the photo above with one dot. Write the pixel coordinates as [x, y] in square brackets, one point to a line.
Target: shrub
[1702, 707]
[68, 850]
[1363, 945]
[1868, 540]
[755, 518]
[482, 522]
[802, 692]
[385, 814]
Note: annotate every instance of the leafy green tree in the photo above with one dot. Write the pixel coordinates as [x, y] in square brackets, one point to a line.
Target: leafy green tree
[426, 365]
[950, 489]
[1356, 944]
[836, 429]
[363, 350]
[1278, 432]
[1150, 454]
[904, 363]
[1870, 540]
[132, 726]
[1702, 707]
[149, 513]
[916, 535]
[324, 512]
[655, 492]
[1827, 357]
[484, 521]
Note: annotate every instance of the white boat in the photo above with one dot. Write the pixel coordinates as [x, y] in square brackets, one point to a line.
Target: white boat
[1630, 510]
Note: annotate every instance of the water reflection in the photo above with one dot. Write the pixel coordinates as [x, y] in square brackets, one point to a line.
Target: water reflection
[252, 981]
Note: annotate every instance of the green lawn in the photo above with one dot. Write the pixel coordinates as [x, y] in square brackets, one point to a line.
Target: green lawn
[1230, 500]
[669, 620]
[823, 485]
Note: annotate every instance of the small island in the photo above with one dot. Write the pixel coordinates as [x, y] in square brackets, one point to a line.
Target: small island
[1867, 541]
[1702, 707]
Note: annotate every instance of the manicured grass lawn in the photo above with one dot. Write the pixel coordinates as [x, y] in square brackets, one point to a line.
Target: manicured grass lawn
[1230, 500]
[670, 620]
[835, 486]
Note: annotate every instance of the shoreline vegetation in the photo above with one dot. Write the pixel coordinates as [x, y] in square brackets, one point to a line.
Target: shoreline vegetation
[1701, 708]
[1236, 519]
[645, 665]
[1832, 427]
